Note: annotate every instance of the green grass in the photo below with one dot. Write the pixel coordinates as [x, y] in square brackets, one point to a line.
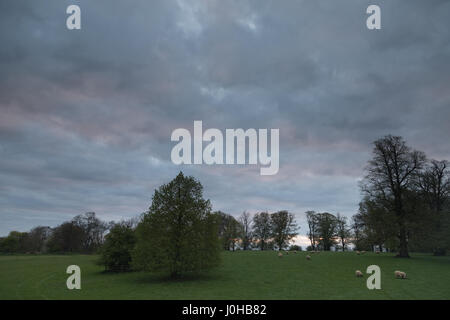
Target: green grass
[243, 275]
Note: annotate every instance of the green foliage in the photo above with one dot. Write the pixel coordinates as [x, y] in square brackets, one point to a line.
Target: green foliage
[229, 230]
[262, 229]
[115, 253]
[93, 231]
[284, 228]
[15, 242]
[84, 233]
[327, 230]
[178, 234]
[67, 237]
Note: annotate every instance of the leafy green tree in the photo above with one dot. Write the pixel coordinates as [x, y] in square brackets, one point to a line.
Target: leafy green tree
[262, 229]
[115, 253]
[326, 230]
[68, 237]
[284, 228]
[178, 234]
[229, 230]
[14, 242]
[434, 187]
[379, 224]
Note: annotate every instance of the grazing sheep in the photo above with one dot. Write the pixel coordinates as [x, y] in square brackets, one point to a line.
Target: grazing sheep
[377, 252]
[358, 273]
[287, 252]
[400, 274]
[280, 254]
[295, 251]
[308, 257]
[357, 252]
[362, 252]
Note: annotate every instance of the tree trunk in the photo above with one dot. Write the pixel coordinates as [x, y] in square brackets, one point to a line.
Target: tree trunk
[403, 249]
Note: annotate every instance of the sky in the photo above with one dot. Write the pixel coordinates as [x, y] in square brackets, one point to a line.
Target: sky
[86, 115]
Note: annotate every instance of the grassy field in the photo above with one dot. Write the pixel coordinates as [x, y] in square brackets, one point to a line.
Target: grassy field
[243, 275]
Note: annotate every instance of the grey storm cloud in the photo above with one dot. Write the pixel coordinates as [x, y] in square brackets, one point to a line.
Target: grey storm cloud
[86, 115]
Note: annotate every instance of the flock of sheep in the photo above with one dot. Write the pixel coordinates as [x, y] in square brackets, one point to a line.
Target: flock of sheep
[358, 273]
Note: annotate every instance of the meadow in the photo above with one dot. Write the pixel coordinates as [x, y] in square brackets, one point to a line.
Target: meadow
[249, 275]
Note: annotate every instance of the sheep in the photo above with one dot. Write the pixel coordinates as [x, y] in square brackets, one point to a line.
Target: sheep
[280, 254]
[308, 257]
[362, 252]
[295, 251]
[358, 273]
[357, 252]
[400, 274]
[377, 252]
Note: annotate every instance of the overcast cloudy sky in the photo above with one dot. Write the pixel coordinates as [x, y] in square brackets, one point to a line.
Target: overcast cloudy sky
[86, 115]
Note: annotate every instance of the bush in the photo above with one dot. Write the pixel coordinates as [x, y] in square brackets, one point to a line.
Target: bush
[115, 254]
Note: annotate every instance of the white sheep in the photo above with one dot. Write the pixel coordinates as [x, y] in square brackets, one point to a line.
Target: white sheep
[308, 257]
[400, 274]
[358, 273]
[280, 254]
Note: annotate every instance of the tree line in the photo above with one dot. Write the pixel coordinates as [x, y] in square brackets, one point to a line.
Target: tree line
[83, 234]
[326, 231]
[264, 231]
[405, 206]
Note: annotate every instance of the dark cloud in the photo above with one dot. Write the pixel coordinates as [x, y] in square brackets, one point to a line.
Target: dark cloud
[86, 116]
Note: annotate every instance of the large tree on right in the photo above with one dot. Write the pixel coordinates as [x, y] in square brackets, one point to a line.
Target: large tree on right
[391, 180]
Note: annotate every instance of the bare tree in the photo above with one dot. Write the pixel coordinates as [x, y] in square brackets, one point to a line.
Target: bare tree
[246, 223]
[312, 225]
[390, 176]
[342, 230]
